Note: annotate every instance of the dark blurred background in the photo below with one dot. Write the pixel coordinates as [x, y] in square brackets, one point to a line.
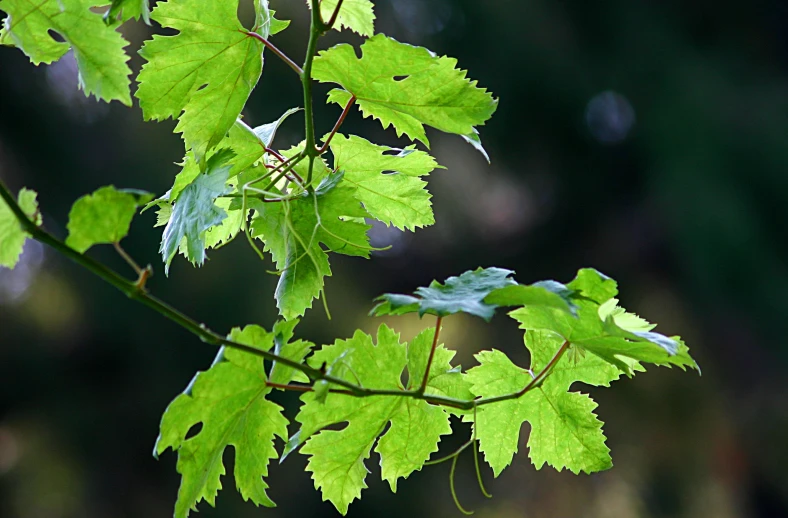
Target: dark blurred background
[648, 139]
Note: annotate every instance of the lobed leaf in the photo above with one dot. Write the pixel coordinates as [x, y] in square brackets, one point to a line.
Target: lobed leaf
[98, 49]
[405, 87]
[230, 403]
[565, 433]
[398, 197]
[598, 332]
[337, 457]
[207, 71]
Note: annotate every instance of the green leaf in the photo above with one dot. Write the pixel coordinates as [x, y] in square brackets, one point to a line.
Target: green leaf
[543, 293]
[405, 86]
[121, 10]
[12, 237]
[98, 49]
[195, 211]
[356, 15]
[229, 400]
[206, 71]
[599, 333]
[337, 456]
[103, 217]
[465, 294]
[565, 433]
[247, 143]
[398, 197]
[294, 230]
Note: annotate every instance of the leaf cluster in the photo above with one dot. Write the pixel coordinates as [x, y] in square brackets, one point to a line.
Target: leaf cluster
[365, 395]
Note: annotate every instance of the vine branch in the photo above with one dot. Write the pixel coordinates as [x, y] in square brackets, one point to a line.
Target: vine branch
[134, 290]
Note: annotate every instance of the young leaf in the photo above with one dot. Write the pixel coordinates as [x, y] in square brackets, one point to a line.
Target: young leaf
[293, 231]
[206, 71]
[356, 15]
[103, 217]
[337, 456]
[229, 400]
[98, 49]
[398, 197]
[12, 237]
[405, 86]
[195, 211]
[465, 294]
[564, 431]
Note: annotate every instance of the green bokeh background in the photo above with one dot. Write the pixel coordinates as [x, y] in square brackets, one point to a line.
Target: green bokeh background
[686, 210]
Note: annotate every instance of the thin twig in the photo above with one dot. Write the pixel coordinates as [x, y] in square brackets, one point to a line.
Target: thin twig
[292, 64]
[126, 257]
[131, 289]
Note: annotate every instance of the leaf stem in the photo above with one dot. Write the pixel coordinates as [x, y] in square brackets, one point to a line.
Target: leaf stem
[126, 257]
[425, 379]
[292, 64]
[338, 125]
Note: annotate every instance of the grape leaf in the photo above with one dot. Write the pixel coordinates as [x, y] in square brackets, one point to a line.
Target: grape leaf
[599, 333]
[337, 456]
[229, 400]
[565, 433]
[206, 71]
[98, 49]
[103, 217]
[121, 10]
[195, 211]
[357, 15]
[12, 237]
[293, 231]
[405, 86]
[465, 294]
[398, 197]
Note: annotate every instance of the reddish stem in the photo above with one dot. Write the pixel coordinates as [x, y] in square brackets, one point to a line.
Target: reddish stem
[338, 125]
[424, 380]
[292, 64]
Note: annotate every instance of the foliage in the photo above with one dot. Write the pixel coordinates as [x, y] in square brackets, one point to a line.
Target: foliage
[300, 205]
